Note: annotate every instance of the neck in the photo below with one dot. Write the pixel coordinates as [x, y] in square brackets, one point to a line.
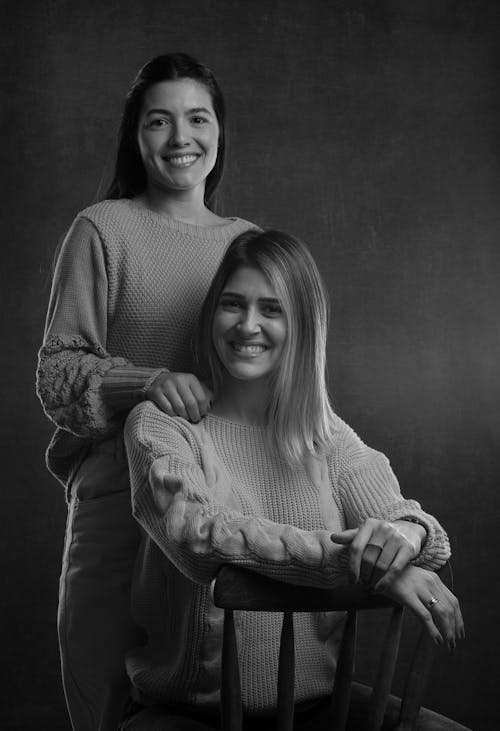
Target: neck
[245, 402]
[183, 205]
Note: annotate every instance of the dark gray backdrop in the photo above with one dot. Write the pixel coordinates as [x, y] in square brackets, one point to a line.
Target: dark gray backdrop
[369, 129]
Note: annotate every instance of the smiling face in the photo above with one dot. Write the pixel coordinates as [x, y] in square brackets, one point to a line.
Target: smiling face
[178, 135]
[249, 327]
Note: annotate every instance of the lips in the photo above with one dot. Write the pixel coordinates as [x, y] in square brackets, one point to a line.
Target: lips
[180, 161]
[252, 349]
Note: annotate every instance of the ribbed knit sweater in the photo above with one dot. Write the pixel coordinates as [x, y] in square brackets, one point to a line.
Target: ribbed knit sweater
[127, 290]
[215, 493]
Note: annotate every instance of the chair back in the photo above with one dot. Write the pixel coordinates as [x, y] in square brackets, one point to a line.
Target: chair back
[239, 589]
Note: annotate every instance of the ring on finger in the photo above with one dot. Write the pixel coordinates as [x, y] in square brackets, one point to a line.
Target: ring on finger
[432, 601]
[374, 545]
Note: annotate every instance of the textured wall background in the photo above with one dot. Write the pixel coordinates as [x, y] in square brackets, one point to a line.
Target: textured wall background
[368, 129]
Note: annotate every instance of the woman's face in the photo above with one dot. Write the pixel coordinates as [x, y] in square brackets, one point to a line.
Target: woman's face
[249, 328]
[178, 135]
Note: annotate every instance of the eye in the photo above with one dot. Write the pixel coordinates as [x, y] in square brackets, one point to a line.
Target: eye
[198, 121]
[231, 304]
[157, 123]
[272, 309]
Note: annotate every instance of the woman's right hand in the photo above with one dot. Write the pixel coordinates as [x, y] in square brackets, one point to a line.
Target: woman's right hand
[180, 394]
[418, 590]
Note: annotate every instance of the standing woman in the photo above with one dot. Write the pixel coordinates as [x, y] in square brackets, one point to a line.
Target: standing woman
[128, 286]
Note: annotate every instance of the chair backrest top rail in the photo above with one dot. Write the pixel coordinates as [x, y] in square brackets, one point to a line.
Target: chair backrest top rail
[240, 589]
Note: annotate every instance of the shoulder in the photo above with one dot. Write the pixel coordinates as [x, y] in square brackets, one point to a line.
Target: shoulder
[243, 225]
[98, 221]
[223, 232]
[150, 427]
[108, 214]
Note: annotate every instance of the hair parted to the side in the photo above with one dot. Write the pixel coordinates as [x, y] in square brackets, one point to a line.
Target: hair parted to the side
[129, 179]
[299, 416]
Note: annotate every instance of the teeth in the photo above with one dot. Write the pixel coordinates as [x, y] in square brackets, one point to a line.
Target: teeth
[250, 349]
[183, 160]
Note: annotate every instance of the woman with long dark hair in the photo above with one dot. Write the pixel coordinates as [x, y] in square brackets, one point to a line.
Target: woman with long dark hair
[129, 282]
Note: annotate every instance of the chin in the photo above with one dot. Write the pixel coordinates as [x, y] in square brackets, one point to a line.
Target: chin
[246, 375]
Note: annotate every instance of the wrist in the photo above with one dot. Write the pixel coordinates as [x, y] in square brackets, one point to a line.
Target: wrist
[416, 530]
[148, 384]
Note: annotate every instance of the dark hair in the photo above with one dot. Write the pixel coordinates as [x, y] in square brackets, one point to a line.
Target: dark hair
[129, 177]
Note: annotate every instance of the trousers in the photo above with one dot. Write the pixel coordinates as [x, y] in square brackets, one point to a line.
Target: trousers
[318, 718]
[95, 626]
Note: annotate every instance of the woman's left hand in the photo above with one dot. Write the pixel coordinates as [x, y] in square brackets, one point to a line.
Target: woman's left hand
[425, 595]
[380, 550]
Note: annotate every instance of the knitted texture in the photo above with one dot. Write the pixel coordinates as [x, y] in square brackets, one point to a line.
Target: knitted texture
[127, 292]
[215, 493]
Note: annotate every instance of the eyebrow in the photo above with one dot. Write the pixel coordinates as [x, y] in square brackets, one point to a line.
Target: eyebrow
[237, 295]
[193, 110]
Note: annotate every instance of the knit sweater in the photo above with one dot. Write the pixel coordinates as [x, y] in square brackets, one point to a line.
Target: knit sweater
[127, 291]
[215, 493]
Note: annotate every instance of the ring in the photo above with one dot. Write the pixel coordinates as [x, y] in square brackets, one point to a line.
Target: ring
[374, 545]
[433, 600]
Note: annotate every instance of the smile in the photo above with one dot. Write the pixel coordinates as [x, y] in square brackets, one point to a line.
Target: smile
[181, 161]
[252, 349]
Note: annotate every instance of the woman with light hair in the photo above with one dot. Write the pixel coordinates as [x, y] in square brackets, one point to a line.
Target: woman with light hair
[271, 479]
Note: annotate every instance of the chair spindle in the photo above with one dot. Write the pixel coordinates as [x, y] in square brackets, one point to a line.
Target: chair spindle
[232, 714]
[286, 675]
[382, 686]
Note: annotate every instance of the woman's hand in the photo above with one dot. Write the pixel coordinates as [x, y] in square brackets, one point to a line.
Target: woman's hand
[180, 394]
[380, 550]
[425, 595]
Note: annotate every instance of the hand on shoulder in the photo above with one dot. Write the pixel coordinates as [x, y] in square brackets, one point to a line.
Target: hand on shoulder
[180, 394]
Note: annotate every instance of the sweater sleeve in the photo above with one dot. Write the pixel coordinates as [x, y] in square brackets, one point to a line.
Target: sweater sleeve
[197, 522]
[81, 386]
[369, 489]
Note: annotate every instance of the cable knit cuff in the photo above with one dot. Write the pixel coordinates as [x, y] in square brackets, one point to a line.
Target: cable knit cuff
[123, 388]
[435, 550]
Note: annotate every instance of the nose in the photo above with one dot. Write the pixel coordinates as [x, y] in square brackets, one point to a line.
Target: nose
[249, 323]
[179, 134]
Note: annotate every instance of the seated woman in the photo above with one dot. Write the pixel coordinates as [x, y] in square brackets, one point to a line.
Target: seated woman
[271, 480]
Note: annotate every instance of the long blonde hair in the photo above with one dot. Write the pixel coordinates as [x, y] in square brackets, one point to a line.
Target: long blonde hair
[300, 417]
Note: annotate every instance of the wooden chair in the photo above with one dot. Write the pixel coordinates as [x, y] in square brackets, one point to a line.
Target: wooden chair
[237, 589]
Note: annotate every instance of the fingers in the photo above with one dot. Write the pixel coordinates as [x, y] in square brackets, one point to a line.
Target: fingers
[344, 537]
[447, 616]
[424, 593]
[163, 403]
[383, 541]
[367, 569]
[181, 394]
[392, 560]
[356, 553]
[414, 603]
[202, 395]
[395, 552]
[445, 612]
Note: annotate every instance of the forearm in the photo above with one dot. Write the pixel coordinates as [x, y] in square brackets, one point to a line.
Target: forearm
[199, 540]
[373, 492]
[124, 387]
[69, 380]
